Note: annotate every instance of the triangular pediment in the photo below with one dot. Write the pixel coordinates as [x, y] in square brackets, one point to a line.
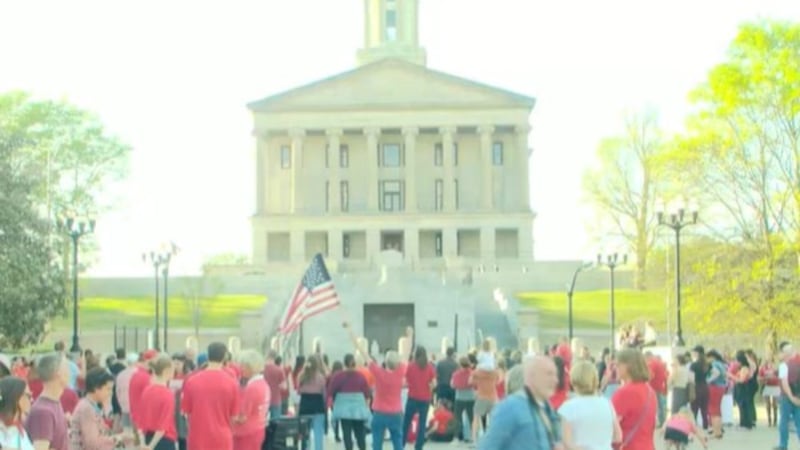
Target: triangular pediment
[391, 84]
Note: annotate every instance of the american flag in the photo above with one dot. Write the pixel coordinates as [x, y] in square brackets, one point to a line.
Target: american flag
[314, 295]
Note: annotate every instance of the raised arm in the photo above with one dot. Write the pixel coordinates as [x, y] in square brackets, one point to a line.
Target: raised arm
[354, 340]
[405, 352]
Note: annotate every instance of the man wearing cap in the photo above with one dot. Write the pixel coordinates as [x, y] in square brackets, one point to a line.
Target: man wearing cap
[139, 382]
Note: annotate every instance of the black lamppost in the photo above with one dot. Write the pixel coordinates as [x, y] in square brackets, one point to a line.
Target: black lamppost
[570, 292]
[75, 229]
[160, 260]
[677, 221]
[611, 261]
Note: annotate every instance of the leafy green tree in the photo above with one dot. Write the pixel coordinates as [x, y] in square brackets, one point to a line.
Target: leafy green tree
[31, 287]
[741, 152]
[625, 184]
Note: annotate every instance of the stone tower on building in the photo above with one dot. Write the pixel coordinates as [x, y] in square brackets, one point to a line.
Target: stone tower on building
[411, 182]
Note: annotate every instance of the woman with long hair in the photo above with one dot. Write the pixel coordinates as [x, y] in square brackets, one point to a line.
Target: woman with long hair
[679, 383]
[742, 393]
[421, 379]
[717, 381]
[15, 403]
[311, 387]
[635, 402]
[768, 377]
[700, 368]
[350, 392]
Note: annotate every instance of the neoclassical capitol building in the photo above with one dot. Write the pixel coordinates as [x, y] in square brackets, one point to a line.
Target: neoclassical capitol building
[401, 176]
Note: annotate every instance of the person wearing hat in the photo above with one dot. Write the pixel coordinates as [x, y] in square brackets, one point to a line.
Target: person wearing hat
[139, 382]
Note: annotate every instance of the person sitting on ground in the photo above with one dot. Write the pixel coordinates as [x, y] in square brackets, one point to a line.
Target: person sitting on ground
[679, 427]
[442, 427]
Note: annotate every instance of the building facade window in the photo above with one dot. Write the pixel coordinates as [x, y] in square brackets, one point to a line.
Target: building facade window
[497, 154]
[391, 195]
[344, 156]
[391, 155]
[327, 196]
[455, 193]
[286, 157]
[344, 196]
[346, 245]
[438, 192]
[391, 21]
[437, 155]
[438, 244]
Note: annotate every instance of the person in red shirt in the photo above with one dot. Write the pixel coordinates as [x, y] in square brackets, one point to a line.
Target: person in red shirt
[768, 377]
[251, 423]
[157, 410]
[658, 381]
[420, 378]
[139, 382]
[442, 424]
[211, 401]
[563, 388]
[564, 351]
[635, 402]
[275, 376]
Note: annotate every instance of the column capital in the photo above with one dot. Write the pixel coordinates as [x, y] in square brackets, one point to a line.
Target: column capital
[297, 133]
[486, 129]
[334, 132]
[447, 131]
[410, 131]
[372, 131]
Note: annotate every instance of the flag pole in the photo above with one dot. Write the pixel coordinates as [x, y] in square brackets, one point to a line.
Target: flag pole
[300, 342]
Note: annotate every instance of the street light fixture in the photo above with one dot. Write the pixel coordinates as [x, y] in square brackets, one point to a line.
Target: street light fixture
[75, 229]
[160, 260]
[612, 261]
[570, 292]
[677, 221]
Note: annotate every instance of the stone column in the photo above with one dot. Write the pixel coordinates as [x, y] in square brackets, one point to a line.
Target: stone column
[297, 246]
[334, 196]
[373, 244]
[372, 168]
[261, 174]
[411, 245]
[259, 246]
[449, 200]
[449, 242]
[525, 242]
[488, 245]
[487, 167]
[296, 181]
[410, 135]
[521, 159]
[335, 249]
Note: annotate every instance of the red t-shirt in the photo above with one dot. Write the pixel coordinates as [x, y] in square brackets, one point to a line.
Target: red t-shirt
[441, 417]
[460, 379]
[636, 406]
[560, 396]
[388, 387]
[69, 400]
[255, 398]
[419, 381]
[157, 411]
[210, 399]
[139, 382]
[274, 376]
[564, 352]
[36, 387]
[767, 372]
[658, 375]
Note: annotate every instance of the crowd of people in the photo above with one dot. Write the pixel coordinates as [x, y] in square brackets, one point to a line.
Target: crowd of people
[482, 398]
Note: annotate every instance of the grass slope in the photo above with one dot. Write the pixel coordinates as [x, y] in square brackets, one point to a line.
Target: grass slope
[591, 309]
[98, 314]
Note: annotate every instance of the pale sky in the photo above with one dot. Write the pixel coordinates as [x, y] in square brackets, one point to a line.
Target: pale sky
[172, 78]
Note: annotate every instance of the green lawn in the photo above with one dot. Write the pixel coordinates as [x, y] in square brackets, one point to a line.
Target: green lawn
[591, 308]
[103, 313]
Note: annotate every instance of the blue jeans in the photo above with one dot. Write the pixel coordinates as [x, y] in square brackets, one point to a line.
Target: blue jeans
[318, 429]
[382, 422]
[789, 411]
[416, 407]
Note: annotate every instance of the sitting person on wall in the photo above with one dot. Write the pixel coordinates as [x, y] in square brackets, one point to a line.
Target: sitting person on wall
[442, 426]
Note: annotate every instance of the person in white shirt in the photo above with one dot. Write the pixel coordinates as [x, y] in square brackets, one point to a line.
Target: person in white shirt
[590, 422]
[15, 403]
[788, 373]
